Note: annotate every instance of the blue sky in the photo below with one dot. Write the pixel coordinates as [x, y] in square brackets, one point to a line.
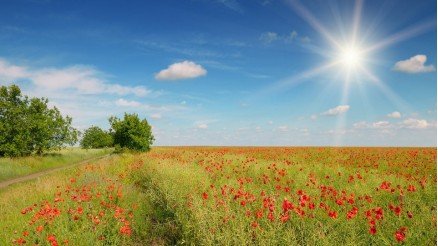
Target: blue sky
[230, 72]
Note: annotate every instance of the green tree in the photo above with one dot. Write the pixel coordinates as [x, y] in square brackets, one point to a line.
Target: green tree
[28, 125]
[94, 137]
[131, 132]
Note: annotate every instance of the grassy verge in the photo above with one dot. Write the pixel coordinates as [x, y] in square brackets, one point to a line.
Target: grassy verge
[15, 167]
[94, 204]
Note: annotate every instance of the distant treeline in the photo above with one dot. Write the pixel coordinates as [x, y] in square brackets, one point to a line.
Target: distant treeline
[29, 126]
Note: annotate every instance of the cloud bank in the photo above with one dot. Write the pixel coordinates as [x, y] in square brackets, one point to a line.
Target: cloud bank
[79, 78]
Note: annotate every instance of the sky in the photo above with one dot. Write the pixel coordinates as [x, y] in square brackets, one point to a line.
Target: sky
[233, 72]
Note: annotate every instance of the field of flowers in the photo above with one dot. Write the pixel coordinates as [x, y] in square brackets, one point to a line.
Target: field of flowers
[91, 205]
[232, 196]
[297, 196]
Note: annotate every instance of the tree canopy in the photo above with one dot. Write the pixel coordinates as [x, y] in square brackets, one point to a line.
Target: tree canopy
[131, 132]
[29, 125]
[94, 137]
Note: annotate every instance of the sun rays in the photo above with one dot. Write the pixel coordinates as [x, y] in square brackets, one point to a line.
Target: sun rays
[349, 56]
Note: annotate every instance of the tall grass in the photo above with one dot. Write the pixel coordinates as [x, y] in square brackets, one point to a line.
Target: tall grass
[93, 204]
[214, 195]
[14, 167]
[223, 196]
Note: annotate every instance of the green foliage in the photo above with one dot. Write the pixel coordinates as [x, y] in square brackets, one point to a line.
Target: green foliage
[28, 125]
[131, 133]
[96, 138]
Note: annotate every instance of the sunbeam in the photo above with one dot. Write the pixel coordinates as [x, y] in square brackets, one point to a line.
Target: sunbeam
[392, 96]
[402, 35]
[305, 14]
[348, 54]
[356, 19]
[294, 80]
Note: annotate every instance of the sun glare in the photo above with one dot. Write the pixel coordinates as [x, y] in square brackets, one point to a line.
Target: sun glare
[350, 57]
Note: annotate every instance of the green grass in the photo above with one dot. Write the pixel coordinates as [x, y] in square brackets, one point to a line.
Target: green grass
[176, 179]
[15, 167]
[91, 186]
[161, 194]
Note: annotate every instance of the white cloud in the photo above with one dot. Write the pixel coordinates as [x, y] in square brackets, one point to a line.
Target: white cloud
[360, 125]
[374, 125]
[381, 125]
[202, 126]
[270, 122]
[291, 37]
[395, 115]
[337, 110]
[81, 79]
[11, 72]
[412, 123]
[269, 37]
[139, 91]
[156, 116]
[125, 103]
[314, 117]
[181, 70]
[415, 64]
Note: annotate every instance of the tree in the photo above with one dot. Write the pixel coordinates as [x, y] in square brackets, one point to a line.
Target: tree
[29, 126]
[131, 132]
[95, 137]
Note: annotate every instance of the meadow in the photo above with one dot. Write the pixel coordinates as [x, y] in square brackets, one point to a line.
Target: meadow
[231, 196]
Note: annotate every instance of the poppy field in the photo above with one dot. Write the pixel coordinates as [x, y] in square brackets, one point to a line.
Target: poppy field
[231, 196]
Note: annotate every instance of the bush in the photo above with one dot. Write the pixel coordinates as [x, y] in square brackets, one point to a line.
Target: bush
[131, 133]
[28, 125]
[96, 138]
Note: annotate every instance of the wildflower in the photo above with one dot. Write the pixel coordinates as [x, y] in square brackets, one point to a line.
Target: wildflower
[20, 241]
[204, 196]
[284, 217]
[333, 214]
[287, 205]
[125, 230]
[259, 214]
[271, 216]
[411, 188]
[400, 234]
[39, 228]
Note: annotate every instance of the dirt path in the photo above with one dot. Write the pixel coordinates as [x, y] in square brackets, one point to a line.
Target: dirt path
[6, 183]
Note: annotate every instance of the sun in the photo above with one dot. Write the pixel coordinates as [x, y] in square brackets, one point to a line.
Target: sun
[350, 57]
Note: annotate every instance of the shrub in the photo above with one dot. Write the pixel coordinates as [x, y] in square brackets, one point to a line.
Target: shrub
[131, 133]
[96, 138]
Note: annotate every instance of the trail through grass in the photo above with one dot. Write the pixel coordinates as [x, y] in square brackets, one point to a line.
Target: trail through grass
[15, 167]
